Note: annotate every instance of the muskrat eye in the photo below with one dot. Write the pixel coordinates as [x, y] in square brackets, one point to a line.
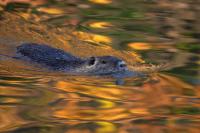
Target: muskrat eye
[103, 62]
[92, 61]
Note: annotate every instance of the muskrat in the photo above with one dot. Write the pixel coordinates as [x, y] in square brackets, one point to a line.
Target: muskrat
[60, 60]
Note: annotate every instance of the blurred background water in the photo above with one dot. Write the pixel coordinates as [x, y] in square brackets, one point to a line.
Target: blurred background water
[36, 100]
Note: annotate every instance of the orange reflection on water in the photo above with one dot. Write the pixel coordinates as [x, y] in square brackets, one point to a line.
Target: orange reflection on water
[101, 1]
[10, 119]
[105, 97]
[140, 45]
[94, 38]
[115, 103]
[50, 10]
[101, 25]
[112, 92]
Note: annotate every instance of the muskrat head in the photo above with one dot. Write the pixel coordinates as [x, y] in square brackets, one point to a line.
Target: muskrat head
[104, 65]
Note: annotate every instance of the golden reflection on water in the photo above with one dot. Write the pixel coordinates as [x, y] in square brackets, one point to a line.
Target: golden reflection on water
[124, 102]
[10, 119]
[101, 25]
[94, 38]
[140, 46]
[101, 1]
[50, 10]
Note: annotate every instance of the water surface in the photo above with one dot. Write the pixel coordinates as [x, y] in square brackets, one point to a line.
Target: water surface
[36, 100]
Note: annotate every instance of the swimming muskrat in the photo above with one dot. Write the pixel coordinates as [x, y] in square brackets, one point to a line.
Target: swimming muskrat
[60, 60]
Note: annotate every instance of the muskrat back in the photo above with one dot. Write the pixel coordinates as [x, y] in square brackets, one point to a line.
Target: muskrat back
[44, 54]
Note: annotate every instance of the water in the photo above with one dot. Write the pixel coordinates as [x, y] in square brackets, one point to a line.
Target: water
[36, 100]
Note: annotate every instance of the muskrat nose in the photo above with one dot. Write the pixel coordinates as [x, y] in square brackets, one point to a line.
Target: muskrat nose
[121, 64]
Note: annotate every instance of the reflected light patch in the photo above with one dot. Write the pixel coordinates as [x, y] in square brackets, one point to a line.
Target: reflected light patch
[106, 127]
[25, 15]
[106, 104]
[101, 25]
[140, 45]
[101, 1]
[94, 38]
[50, 10]
[198, 62]
[92, 90]
[141, 111]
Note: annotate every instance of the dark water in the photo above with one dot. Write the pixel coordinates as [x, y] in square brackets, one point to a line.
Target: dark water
[36, 100]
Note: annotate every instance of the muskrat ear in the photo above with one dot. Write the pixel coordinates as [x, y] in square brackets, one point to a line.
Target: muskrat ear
[91, 61]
